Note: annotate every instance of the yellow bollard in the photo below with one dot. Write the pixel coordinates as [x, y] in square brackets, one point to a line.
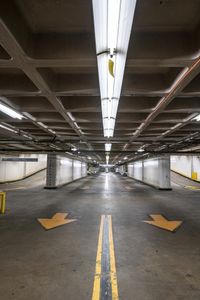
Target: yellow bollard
[3, 202]
[194, 175]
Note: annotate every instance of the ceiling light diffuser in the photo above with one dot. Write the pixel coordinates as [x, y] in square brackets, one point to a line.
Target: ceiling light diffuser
[27, 136]
[10, 112]
[52, 131]
[108, 146]
[8, 128]
[42, 124]
[197, 118]
[113, 22]
[107, 159]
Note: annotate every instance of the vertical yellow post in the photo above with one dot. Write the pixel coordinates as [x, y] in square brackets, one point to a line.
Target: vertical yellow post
[3, 202]
[194, 175]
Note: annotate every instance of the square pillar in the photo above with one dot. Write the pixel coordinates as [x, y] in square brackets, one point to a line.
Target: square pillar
[51, 171]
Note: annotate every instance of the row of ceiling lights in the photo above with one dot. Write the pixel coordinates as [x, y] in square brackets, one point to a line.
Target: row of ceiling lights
[14, 114]
[112, 23]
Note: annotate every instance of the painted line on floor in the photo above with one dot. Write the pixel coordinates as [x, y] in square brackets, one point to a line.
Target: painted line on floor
[161, 222]
[97, 277]
[192, 187]
[57, 220]
[105, 280]
[16, 188]
[113, 272]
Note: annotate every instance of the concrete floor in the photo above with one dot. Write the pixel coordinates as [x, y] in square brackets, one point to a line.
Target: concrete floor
[152, 264]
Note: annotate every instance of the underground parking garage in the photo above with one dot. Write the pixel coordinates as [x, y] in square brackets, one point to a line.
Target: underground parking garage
[99, 149]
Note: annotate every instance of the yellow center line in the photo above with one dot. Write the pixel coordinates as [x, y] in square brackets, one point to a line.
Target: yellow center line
[97, 277]
[98, 271]
[113, 272]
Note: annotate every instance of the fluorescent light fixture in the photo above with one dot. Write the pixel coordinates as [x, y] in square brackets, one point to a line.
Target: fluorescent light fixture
[89, 157]
[113, 22]
[27, 136]
[29, 116]
[79, 129]
[10, 112]
[107, 159]
[70, 116]
[140, 150]
[74, 149]
[42, 124]
[54, 147]
[108, 146]
[8, 128]
[52, 131]
[76, 125]
[197, 118]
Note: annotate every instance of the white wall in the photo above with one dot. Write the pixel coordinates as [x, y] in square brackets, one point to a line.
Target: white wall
[67, 169]
[121, 169]
[186, 164]
[62, 170]
[153, 171]
[84, 169]
[11, 171]
[135, 170]
[77, 172]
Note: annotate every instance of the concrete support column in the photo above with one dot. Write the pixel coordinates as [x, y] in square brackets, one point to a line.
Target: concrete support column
[164, 173]
[142, 170]
[62, 170]
[51, 171]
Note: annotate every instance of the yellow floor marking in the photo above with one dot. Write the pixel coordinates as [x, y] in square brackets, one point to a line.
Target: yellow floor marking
[57, 220]
[14, 188]
[192, 187]
[97, 277]
[162, 222]
[113, 273]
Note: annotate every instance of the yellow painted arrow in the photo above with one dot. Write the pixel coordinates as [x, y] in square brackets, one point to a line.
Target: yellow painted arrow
[58, 219]
[162, 222]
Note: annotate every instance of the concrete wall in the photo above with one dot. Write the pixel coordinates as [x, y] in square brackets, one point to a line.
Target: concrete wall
[121, 169]
[153, 171]
[11, 171]
[135, 170]
[77, 170]
[84, 169]
[62, 170]
[186, 165]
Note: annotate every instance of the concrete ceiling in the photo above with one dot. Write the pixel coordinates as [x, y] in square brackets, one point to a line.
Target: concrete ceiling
[48, 69]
